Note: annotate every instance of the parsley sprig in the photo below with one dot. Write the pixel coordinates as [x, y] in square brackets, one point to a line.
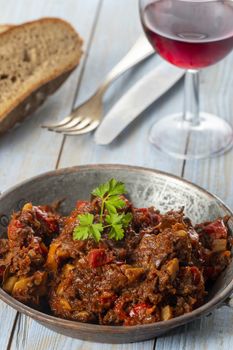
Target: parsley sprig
[87, 228]
[110, 195]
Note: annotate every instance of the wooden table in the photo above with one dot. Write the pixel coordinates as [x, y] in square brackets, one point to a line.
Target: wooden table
[109, 28]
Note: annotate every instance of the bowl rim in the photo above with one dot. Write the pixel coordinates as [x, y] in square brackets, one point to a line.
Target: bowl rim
[88, 327]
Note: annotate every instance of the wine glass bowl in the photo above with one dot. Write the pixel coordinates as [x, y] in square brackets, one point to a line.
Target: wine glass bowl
[191, 35]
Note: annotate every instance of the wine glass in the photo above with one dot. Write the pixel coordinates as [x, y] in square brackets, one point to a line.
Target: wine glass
[191, 35]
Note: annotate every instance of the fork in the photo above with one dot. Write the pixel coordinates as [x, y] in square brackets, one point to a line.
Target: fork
[87, 116]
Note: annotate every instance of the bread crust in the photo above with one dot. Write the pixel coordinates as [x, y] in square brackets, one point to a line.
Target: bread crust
[32, 102]
[29, 101]
[5, 27]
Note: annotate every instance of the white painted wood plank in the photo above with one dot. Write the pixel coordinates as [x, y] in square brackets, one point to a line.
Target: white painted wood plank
[35, 332]
[210, 333]
[7, 318]
[213, 332]
[30, 335]
[112, 40]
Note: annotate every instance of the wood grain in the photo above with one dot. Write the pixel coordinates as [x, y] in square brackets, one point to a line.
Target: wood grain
[211, 332]
[7, 321]
[29, 150]
[29, 334]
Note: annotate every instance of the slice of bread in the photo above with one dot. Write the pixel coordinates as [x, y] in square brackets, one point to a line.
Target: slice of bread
[35, 59]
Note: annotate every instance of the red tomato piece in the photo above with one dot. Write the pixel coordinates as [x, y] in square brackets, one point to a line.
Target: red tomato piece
[196, 274]
[216, 229]
[97, 257]
[51, 222]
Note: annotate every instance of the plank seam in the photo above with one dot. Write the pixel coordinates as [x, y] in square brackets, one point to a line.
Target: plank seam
[12, 331]
[81, 75]
[183, 168]
[154, 345]
[185, 152]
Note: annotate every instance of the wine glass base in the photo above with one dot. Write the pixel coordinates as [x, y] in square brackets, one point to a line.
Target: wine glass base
[179, 138]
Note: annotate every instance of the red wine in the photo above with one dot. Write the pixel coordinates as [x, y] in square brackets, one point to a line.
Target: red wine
[190, 34]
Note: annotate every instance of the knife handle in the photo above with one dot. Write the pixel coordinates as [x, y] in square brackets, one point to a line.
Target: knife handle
[140, 51]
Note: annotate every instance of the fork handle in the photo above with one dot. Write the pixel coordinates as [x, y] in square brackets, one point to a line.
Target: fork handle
[141, 50]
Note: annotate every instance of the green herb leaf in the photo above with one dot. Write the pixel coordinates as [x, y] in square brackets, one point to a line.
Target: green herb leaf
[96, 230]
[101, 191]
[116, 187]
[113, 203]
[117, 222]
[81, 233]
[126, 220]
[116, 232]
[87, 229]
[111, 187]
[85, 219]
[110, 195]
[113, 219]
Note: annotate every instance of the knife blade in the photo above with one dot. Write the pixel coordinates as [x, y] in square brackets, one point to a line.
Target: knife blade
[139, 97]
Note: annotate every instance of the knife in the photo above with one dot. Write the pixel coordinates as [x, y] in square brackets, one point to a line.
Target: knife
[139, 97]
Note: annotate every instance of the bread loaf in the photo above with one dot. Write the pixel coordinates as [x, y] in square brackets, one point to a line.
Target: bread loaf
[35, 59]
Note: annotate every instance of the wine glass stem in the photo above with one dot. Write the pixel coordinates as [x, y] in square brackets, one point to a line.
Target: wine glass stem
[191, 97]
